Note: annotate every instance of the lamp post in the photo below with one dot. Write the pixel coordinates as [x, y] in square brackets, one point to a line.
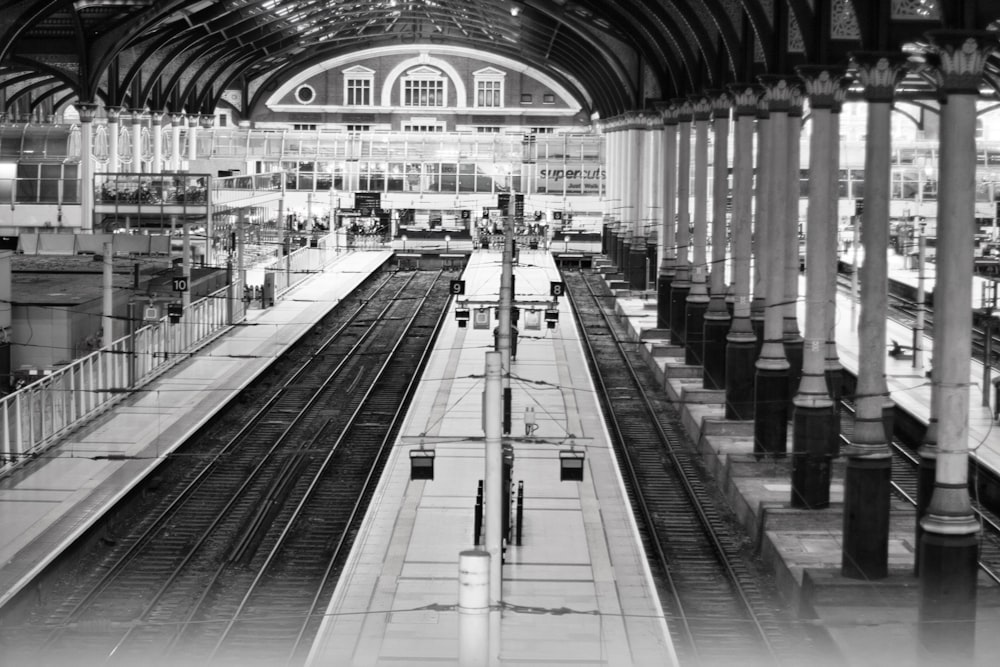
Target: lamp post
[447, 242]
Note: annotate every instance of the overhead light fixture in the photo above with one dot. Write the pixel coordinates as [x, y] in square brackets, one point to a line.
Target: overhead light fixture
[515, 9]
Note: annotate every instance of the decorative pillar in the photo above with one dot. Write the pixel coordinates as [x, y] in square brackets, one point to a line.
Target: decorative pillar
[633, 157]
[832, 365]
[865, 551]
[681, 284]
[87, 112]
[137, 141]
[652, 178]
[697, 299]
[790, 325]
[157, 131]
[771, 397]
[949, 548]
[192, 139]
[741, 340]
[114, 113]
[717, 318]
[176, 123]
[668, 235]
[762, 199]
[815, 417]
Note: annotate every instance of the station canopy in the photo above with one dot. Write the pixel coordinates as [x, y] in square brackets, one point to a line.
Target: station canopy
[614, 56]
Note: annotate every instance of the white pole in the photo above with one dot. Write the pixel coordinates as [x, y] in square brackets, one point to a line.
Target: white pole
[473, 608]
[107, 320]
[493, 491]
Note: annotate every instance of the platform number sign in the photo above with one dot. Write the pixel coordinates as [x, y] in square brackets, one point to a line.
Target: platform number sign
[557, 288]
[180, 284]
[457, 287]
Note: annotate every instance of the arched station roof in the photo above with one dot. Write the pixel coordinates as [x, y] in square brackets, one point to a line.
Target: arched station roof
[614, 56]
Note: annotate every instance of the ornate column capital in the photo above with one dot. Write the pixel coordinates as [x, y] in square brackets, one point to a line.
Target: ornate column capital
[668, 112]
[157, 117]
[177, 118]
[722, 103]
[114, 113]
[136, 116]
[701, 107]
[744, 98]
[206, 120]
[192, 120]
[779, 91]
[685, 112]
[959, 57]
[825, 87]
[87, 111]
[879, 72]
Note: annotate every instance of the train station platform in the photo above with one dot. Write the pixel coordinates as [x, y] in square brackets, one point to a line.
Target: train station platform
[577, 589]
[50, 502]
[871, 622]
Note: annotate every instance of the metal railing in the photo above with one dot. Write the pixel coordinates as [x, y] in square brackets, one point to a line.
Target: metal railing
[37, 416]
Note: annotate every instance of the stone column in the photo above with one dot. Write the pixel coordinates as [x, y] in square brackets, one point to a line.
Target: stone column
[652, 178]
[668, 235]
[635, 159]
[741, 341]
[771, 398]
[865, 550]
[87, 112]
[176, 123]
[192, 139]
[697, 299]
[137, 140]
[717, 318]
[156, 129]
[834, 369]
[815, 417]
[791, 335]
[762, 200]
[949, 548]
[114, 113]
[681, 284]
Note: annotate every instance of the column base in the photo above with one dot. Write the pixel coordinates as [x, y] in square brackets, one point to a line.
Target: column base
[925, 489]
[678, 311]
[663, 300]
[714, 366]
[694, 328]
[637, 270]
[740, 376]
[948, 575]
[793, 352]
[770, 433]
[865, 554]
[812, 455]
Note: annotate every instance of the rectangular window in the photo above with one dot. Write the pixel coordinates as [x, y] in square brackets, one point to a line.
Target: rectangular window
[423, 93]
[548, 98]
[525, 98]
[359, 92]
[490, 129]
[359, 128]
[308, 127]
[421, 127]
[488, 94]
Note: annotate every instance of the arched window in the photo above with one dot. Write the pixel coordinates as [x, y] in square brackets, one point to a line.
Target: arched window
[424, 87]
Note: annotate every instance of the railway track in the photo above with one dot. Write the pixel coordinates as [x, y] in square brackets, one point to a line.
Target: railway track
[721, 609]
[238, 559]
